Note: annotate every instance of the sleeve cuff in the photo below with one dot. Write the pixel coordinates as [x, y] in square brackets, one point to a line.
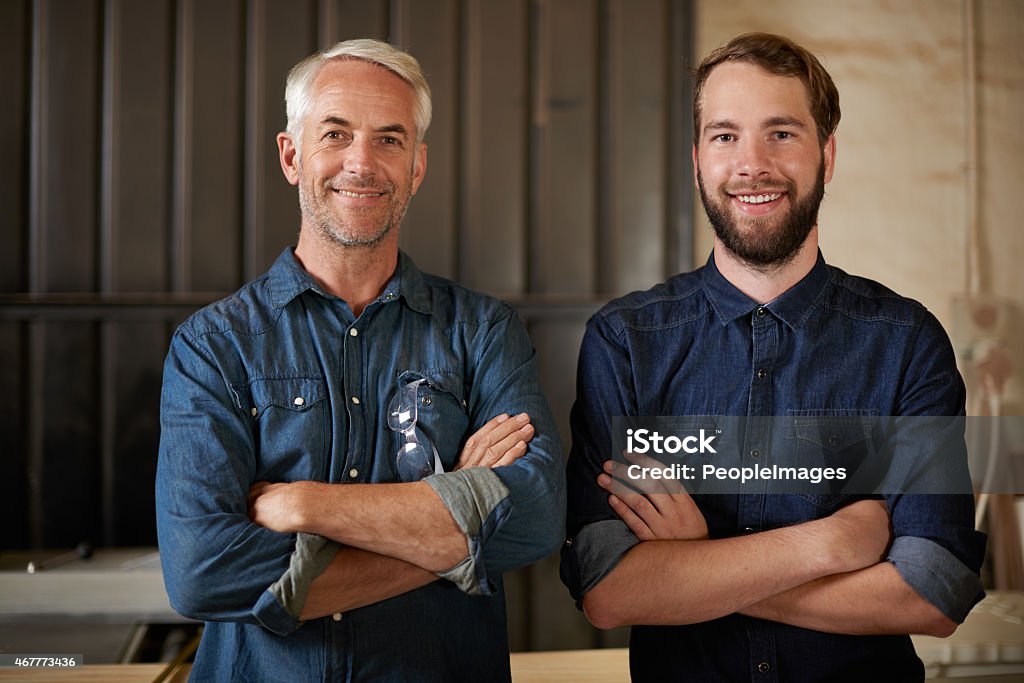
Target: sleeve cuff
[478, 502]
[593, 553]
[280, 606]
[937, 575]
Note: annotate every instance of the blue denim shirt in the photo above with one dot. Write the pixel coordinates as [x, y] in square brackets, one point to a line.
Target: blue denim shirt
[834, 345]
[280, 382]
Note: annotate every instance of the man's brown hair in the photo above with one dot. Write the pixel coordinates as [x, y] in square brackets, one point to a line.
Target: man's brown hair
[780, 56]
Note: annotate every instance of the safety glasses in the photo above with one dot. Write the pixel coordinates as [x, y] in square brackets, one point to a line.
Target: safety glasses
[417, 457]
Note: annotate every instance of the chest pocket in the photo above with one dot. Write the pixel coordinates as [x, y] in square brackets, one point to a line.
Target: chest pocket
[840, 440]
[441, 412]
[290, 422]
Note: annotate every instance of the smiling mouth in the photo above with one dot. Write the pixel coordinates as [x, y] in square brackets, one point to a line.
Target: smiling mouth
[359, 195]
[763, 198]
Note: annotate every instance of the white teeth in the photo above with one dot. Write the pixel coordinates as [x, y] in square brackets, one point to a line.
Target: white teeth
[758, 198]
[346, 193]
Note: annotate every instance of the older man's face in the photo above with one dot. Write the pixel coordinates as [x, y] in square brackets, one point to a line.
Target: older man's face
[360, 163]
[759, 165]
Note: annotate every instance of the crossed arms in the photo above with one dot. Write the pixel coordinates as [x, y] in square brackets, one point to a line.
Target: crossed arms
[825, 574]
[395, 537]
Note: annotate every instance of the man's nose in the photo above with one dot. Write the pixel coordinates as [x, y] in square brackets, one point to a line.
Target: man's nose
[359, 158]
[754, 159]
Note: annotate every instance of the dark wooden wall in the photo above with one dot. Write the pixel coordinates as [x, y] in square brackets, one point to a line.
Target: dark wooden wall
[141, 181]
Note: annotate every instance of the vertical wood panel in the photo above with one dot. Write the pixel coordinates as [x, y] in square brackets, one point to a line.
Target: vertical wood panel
[429, 231]
[565, 134]
[679, 255]
[494, 146]
[66, 105]
[137, 147]
[357, 19]
[15, 45]
[635, 182]
[14, 532]
[67, 469]
[211, 136]
[134, 355]
[279, 34]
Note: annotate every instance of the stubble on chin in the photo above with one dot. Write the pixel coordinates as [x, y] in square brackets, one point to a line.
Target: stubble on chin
[769, 242]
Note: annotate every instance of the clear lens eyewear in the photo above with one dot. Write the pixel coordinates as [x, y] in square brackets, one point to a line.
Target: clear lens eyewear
[415, 459]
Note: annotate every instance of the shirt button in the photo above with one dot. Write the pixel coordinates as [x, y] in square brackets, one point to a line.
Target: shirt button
[748, 530]
[355, 400]
[353, 332]
[336, 616]
[426, 400]
[761, 373]
[299, 401]
[353, 473]
[761, 311]
[255, 412]
[764, 667]
[833, 440]
[755, 453]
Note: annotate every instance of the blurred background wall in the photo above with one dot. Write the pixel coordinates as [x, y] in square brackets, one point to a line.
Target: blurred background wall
[141, 181]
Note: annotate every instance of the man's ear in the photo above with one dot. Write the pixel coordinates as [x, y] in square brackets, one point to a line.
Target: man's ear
[419, 167]
[695, 183]
[828, 154]
[289, 157]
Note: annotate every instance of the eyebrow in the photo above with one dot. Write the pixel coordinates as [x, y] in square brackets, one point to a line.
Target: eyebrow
[345, 123]
[726, 124]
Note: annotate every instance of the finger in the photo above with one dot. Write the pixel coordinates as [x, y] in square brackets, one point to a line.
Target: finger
[512, 454]
[499, 450]
[644, 484]
[476, 444]
[635, 524]
[637, 502]
[669, 485]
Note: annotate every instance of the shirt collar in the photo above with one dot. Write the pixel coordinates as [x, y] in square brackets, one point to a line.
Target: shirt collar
[792, 307]
[288, 279]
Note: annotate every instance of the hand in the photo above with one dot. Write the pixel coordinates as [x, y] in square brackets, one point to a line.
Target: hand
[865, 533]
[663, 511]
[500, 442]
[277, 506]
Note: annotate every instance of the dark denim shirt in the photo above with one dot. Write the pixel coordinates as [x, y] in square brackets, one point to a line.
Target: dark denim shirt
[280, 382]
[833, 345]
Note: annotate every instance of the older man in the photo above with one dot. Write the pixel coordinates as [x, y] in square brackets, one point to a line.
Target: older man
[319, 503]
[741, 584]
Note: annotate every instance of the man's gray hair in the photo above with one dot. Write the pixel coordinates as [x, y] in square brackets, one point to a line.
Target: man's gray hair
[297, 92]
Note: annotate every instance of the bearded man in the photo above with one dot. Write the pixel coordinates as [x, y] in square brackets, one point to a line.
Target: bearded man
[352, 451]
[757, 581]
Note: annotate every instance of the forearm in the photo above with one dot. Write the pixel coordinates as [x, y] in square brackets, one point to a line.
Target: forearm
[407, 522]
[683, 582]
[356, 578]
[871, 601]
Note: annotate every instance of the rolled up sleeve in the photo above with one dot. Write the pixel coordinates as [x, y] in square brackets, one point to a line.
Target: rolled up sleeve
[218, 565]
[512, 515]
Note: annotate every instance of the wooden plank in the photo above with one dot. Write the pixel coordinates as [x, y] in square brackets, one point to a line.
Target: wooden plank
[209, 146]
[564, 174]
[133, 355]
[65, 471]
[13, 464]
[495, 137]
[356, 19]
[633, 166]
[429, 231]
[65, 146]
[15, 35]
[279, 33]
[136, 203]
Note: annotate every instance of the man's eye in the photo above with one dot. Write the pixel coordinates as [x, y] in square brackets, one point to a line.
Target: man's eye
[783, 135]
[724, 137]
[388, 140]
